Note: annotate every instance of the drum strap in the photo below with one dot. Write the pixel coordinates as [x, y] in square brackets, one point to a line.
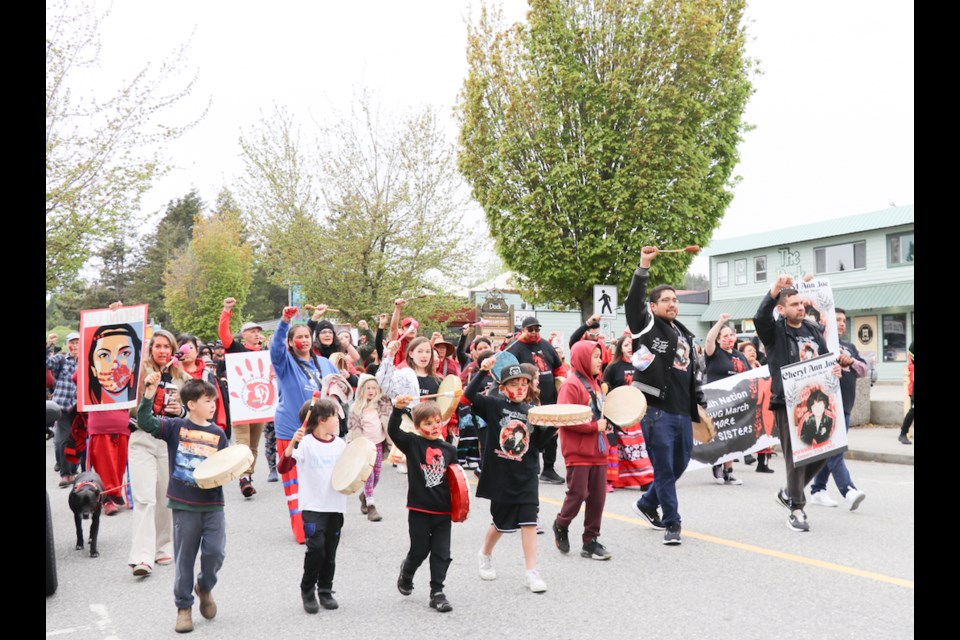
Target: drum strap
[596, 404]
[310, 373]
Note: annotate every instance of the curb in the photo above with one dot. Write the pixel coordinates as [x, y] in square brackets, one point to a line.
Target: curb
[876, 456]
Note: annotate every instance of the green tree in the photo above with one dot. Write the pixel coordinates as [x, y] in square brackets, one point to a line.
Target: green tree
[171, 237]
[373, 214]
[599, 127]
[696, 282]
[101, 154]
[215, 265]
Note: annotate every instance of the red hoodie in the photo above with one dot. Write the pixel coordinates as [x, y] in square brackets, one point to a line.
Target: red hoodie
[580, 443]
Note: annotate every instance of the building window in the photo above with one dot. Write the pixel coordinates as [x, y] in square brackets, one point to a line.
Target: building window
[895, 337]
[740, 271]
[760, 269]
[723, 274]
[900, 249]
[841, 257]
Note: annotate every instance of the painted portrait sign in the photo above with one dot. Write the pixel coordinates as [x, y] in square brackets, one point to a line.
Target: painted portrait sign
[814, 409]
[111, 349]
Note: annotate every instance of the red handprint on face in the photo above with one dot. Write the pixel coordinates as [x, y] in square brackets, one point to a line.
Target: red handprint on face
[256, 391]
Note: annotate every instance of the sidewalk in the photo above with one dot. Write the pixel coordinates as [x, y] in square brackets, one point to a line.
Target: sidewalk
[878, 444]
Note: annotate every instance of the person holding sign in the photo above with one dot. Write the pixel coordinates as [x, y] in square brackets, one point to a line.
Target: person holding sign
[787, 340]
[723, 361]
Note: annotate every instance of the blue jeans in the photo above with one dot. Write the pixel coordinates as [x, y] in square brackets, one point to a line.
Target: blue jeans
[838, 468]
[669, 438]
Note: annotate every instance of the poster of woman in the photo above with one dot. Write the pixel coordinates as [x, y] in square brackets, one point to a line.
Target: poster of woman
[814, 409]
[111, 346]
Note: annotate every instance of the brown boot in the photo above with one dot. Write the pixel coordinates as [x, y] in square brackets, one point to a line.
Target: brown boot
[363, 503]
[208, 608]
[184, 621]
[372, 514]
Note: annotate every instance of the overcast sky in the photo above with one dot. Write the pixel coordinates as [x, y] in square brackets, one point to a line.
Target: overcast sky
[833, 109]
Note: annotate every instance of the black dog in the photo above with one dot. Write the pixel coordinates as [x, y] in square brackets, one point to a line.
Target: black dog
[84, 500]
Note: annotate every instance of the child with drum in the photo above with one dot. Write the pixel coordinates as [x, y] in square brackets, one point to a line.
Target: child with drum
[428, 495]
[511, 466]
[198, 520]
[365, 420]
[584, 448]
[321, 506]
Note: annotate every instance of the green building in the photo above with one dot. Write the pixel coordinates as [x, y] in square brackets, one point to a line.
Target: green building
[868, 259]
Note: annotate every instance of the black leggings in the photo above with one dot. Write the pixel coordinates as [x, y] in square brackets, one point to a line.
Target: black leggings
[429, 535]
[907, 419]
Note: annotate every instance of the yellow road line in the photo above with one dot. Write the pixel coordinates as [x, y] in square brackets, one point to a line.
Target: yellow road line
[830, 566]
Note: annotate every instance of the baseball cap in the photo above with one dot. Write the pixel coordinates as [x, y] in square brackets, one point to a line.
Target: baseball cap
[73, 335]
[250, 325]
[530, 321]
[512, 371]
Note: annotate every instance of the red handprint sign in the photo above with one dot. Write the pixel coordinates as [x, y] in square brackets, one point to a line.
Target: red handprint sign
[253, 387]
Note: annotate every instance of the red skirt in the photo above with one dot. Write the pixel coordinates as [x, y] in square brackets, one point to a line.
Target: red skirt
[634, 468]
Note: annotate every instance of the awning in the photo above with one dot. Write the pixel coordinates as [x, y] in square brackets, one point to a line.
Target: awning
[853, 299]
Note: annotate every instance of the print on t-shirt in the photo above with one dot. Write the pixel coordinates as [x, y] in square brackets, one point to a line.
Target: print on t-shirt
[195, 447]
[434, 468]
[682, 358]
[808, 347]
[514, 439]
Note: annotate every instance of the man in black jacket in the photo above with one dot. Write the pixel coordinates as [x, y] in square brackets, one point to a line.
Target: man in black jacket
[787, 340]
[670, 379]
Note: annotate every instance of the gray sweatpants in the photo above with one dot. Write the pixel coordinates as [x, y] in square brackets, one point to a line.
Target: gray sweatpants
[797, 477]
[197, 531]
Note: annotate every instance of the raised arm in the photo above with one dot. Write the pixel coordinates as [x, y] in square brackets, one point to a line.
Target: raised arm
[635, 305]
[710, 342]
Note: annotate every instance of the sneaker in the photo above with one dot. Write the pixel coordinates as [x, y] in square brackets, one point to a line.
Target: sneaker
[551, 477]
[595, 551]
[184, 620]
[718, 473]
[540, 530]
[561, 538]
[372, 514]
[534, 582]
[56, 467]
[110, 508]
[651, 515]
[142, 570]
[672, 534]
[246, 487]
[729, 479]
[487, 572]
[208, 608]
[798, 521]
[783, 500]
[404, 582]
[66, 481]
[823, 499]
[904, 439]
[164, 561]
[363, 503]
[327, 601]
[273, 476]
[749, 459]
[439, 602]
[854, 497]
[310, 604]
[609, 488]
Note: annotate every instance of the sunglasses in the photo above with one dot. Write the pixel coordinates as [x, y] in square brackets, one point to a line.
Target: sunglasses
[533, 329]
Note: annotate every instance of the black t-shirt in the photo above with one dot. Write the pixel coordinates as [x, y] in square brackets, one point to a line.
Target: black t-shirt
[428, 385]
[618, 374]
[722, 365]
[678, 397]
[807, 343]
[427, 460]
[511, 465]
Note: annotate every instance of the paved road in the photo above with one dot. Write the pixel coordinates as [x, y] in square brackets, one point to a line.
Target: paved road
[740, 573]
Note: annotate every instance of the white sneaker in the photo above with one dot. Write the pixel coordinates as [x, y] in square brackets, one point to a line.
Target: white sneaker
[854, 497]
[402, 468]
[534, 582]
[824, 500]
[487, 572]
